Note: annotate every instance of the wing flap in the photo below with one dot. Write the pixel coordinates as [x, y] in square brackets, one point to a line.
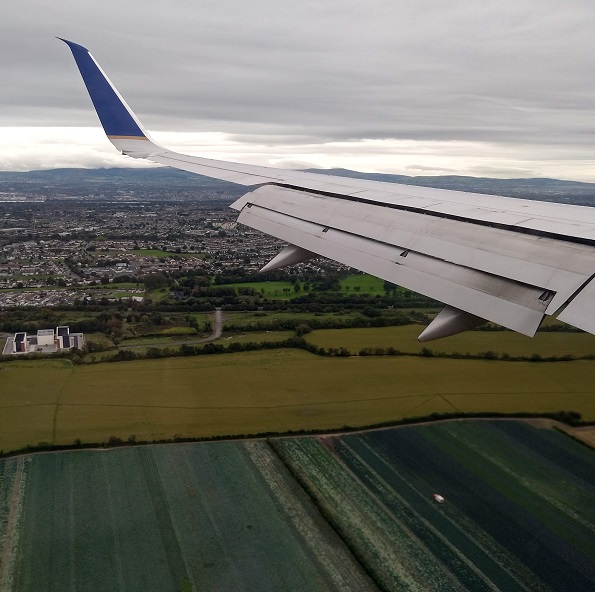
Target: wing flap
[558, 266]
[506, 302]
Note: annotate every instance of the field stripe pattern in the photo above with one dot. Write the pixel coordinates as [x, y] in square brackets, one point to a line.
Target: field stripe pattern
[223, 517]
[342, 512]
[520, 510]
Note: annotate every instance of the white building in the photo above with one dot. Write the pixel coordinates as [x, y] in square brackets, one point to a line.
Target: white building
[47, 341]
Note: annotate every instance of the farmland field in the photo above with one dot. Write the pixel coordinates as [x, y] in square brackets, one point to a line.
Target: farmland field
[519, 511]
[226, 516]
[344, 512]
[268, 391]
[474, 342]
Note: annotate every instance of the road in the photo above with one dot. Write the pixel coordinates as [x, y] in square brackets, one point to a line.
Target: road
[218, 329]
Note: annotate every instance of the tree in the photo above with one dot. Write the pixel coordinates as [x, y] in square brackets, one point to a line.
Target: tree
[302, 329]
[193, 322]
[114, 325]
[153, 281]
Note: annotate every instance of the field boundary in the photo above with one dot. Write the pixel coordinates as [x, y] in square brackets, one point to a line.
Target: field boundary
[567, 422]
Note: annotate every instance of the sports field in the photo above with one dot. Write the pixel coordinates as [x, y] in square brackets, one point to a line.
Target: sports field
[347, 512]
[268, 391]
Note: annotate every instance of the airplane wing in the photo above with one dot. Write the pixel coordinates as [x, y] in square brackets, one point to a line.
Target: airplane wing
[506, 260]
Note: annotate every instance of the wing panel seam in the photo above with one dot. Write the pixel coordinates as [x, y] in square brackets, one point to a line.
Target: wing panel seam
[489, 224]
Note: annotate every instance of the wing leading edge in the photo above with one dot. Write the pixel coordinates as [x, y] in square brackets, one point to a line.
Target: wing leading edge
[500, 259]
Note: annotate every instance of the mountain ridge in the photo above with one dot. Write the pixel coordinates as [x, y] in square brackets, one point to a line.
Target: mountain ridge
[543, 189]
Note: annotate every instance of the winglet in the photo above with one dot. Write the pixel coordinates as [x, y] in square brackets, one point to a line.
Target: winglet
[117, 119]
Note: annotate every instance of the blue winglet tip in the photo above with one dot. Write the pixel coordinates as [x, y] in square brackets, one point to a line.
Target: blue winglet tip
[72, 44]
[112, 112]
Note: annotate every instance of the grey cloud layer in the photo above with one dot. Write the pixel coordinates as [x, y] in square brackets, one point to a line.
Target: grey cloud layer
[509, 71]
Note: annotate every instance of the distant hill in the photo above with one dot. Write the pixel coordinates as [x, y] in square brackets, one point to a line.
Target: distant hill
[165, 181]
[557, 190]
[148, 176]
[153, 183]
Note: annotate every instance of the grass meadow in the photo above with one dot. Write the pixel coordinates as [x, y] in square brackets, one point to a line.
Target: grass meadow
[356, 284]
[275, 290]
[362, 284]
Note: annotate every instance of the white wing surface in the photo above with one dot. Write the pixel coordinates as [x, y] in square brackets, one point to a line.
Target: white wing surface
[506, 260]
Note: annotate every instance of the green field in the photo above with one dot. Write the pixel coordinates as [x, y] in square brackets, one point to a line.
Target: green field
[353, 284]
[268, 391]
[404, 339]
[166, 518]
[178, 331]
[328, 513]
[362, 284]
[158, 295]
[255, 337]
[274, 290]
[119, 295]
[519, 512]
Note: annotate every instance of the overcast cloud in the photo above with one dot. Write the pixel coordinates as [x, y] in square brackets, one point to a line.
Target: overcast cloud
[415, 87]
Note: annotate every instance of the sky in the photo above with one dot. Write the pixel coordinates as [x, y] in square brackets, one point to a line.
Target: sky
[417, 87]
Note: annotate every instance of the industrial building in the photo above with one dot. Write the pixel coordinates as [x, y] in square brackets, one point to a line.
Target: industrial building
[47, 341]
